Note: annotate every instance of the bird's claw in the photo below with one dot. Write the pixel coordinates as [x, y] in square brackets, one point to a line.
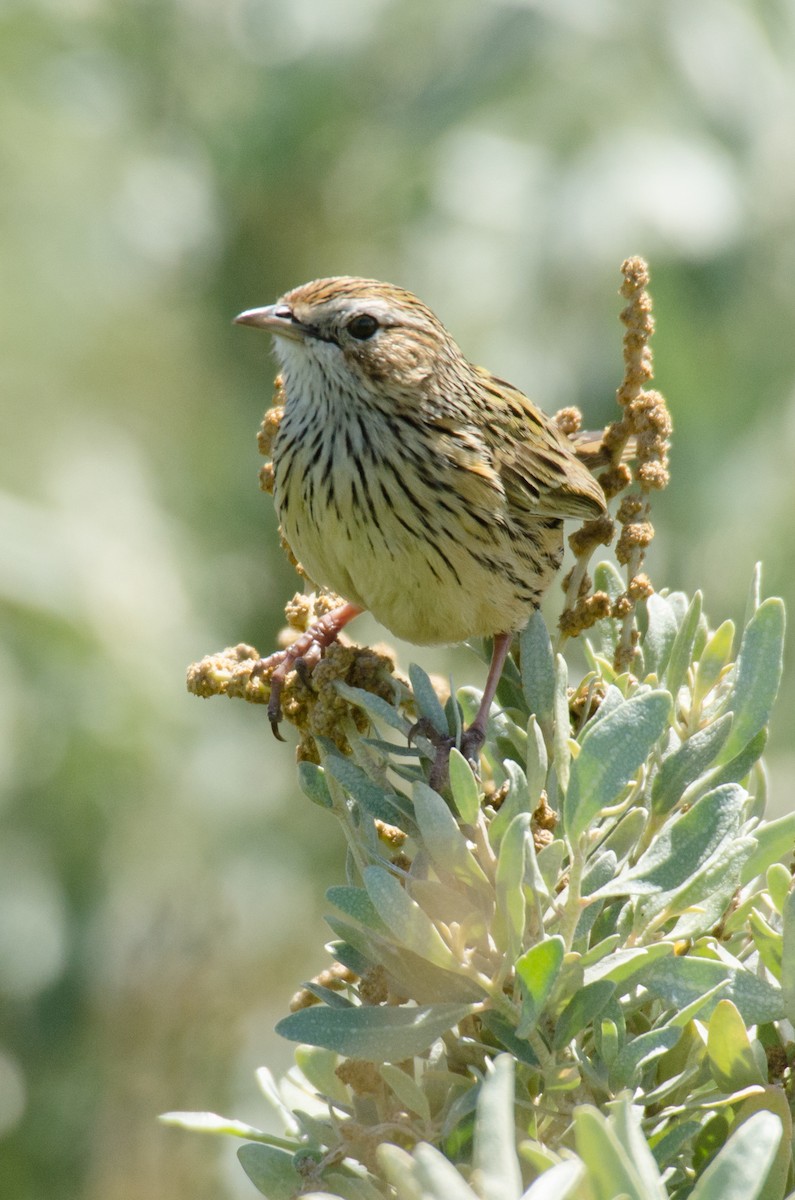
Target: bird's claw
[472, 740]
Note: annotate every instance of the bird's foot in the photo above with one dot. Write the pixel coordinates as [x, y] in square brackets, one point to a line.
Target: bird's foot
[302, 656]
[471, 743]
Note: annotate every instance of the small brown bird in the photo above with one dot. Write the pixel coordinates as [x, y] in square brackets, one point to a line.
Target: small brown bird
[409, 481]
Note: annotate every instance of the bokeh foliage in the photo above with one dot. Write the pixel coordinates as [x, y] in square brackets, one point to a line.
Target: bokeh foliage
[166, 164]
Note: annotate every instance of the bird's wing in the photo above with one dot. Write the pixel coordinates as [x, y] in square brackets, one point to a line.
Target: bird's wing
[540, 472]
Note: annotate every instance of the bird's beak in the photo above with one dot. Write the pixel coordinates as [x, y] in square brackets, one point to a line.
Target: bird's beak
[274, 318]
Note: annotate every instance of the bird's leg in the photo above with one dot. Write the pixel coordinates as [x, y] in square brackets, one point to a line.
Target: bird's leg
[473, 738]
[306, 649]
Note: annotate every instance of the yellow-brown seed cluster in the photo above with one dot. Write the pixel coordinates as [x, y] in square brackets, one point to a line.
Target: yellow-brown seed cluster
[644, 429]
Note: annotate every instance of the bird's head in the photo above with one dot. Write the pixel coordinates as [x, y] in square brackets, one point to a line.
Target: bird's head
[358, 333]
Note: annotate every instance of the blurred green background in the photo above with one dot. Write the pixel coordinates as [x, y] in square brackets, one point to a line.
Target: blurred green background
[163, 165]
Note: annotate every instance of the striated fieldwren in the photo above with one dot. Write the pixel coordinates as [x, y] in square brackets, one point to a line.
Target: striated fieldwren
[409, 481]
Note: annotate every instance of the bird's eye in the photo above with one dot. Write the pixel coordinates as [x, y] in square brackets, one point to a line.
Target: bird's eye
[362, 327]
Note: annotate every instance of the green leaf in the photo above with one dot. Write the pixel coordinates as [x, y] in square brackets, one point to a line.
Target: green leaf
[312, 782]
[629, 1134]
[640, 1051]
[584, 1006]
[443, 840]
[739, 1170]
[688, 762]
[270, 1170]
[557, 1183]
[407, 1091]
[731, 1059]
[660, 634]
[464, 786]
[428, 704]
[606, 578]
[390, 807]
[611, 753]
[683, 845]
[376, 706]
[537, 761]
[714, 658]
[611, 1171]
[682, 649]
[377, 1033]
[758, 674]
[538, 669]
[561, 754]
[788, 957]
[355, 902]
[494, 1154]
[408, 924]
[438, 1179]
[681, 980]
[769, 943]
[773, 840]
[537, 970]
[509, 913]
[210, 1122]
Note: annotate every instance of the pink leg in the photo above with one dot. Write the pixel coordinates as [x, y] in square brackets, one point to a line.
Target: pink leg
[308, 649]
[475, 736]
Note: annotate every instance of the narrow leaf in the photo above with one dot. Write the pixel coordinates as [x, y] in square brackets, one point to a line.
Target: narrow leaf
[538, 669]
[682, 649]
[758, 674]
[428, 704]
[739, 1170]
[731, 1059]
[270, 1170]
[408, 924]
[463, 785]
[494, 1154]
[585, 1005]
[378, 1033]
[537, 971]
[687, 762]
[611, 753]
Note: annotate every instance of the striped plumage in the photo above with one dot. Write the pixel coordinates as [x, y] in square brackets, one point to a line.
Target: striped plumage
[411, 482]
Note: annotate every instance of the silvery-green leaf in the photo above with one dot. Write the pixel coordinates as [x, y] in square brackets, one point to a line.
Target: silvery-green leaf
[270, 1170]
[613, 698]
[739, 1169]
[659, 634]
[376, 706]
[517, 801]
[442, 839]
[738, 767]
[714, 657]
[600, 869]
[557, 1183]
[606, 578]
[550, 860]
[639, 1052]
[682, 650]
[494, 1156]
[408, 924]
[437, 1177]
[509, 914]
[625, 834]
[312, 781]
[683, 979]
[537, 761]
[389, 807]
[505, 1034]
[319, 1067]
[779, 881]
[686, 764]
[407, 1091]
[626, 967]
[584, 1006]
[377, 1033]
[774, 839]
[629, 1132]
[705, 898]
[355, 903]
[464, 786]
[538, 669]
[561, 754]
[537, 971]
[428, 704]
[731, 1059]
[610, 755]
[611, 1170]
[684, 844]
[210, 1122]
[757, 676]
[788, 957]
